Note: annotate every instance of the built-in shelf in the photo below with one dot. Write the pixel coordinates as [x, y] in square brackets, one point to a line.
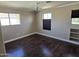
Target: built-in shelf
[74, 34]
[74, 38]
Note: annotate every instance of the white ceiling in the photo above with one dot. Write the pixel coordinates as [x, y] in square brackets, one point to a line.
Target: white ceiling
[31, 5]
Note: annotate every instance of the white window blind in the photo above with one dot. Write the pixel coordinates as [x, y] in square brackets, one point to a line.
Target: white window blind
[14, 19]
[47, 16]
[4, 19]
[75, 20]
[9, 19]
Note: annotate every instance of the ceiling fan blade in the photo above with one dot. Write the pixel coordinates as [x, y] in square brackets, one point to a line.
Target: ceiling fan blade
[48, 1]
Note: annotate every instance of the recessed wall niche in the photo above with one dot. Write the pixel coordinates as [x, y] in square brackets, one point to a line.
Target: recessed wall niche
[74, 31]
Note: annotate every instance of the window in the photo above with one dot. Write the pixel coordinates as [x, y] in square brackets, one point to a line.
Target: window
[4, 19]
[47, 21]
[75, 17]
[9, 19]
[75, 20]
[47, 16]
[14, 19]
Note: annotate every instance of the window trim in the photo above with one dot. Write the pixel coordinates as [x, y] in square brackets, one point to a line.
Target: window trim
[74, 23]
[49, 22]
[46, 13]
[10, 20]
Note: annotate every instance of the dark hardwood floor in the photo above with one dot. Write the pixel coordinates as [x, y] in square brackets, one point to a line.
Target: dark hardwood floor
[41, 46]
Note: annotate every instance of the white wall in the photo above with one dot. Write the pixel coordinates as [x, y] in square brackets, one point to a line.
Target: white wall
[61, 21]
[27, 25]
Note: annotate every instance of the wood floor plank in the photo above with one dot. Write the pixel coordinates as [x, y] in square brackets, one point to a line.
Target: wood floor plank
[41, 46]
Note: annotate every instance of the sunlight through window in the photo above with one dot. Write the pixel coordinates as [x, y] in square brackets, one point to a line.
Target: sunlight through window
[14, 19]
[9, 19]
[47, 16]
[75, 20]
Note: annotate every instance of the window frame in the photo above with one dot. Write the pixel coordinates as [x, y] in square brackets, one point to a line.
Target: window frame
[17, 23]
[47, 16]
[74, 23]
[48, 21]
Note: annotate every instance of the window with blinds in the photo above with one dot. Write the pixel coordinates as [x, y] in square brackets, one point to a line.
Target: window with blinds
[9, 19]
[47, 21]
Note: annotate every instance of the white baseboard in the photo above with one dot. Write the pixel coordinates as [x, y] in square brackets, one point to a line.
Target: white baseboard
[70, 41]
[19, 37]
[73, 42]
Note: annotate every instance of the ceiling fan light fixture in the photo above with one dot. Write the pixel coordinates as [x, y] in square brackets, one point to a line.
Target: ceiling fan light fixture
[48, 1]
[46, 7]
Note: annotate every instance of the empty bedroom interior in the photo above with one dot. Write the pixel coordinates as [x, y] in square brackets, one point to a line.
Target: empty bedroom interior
[39, 28]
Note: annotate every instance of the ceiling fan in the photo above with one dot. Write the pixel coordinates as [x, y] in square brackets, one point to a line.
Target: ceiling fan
[38, 3]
